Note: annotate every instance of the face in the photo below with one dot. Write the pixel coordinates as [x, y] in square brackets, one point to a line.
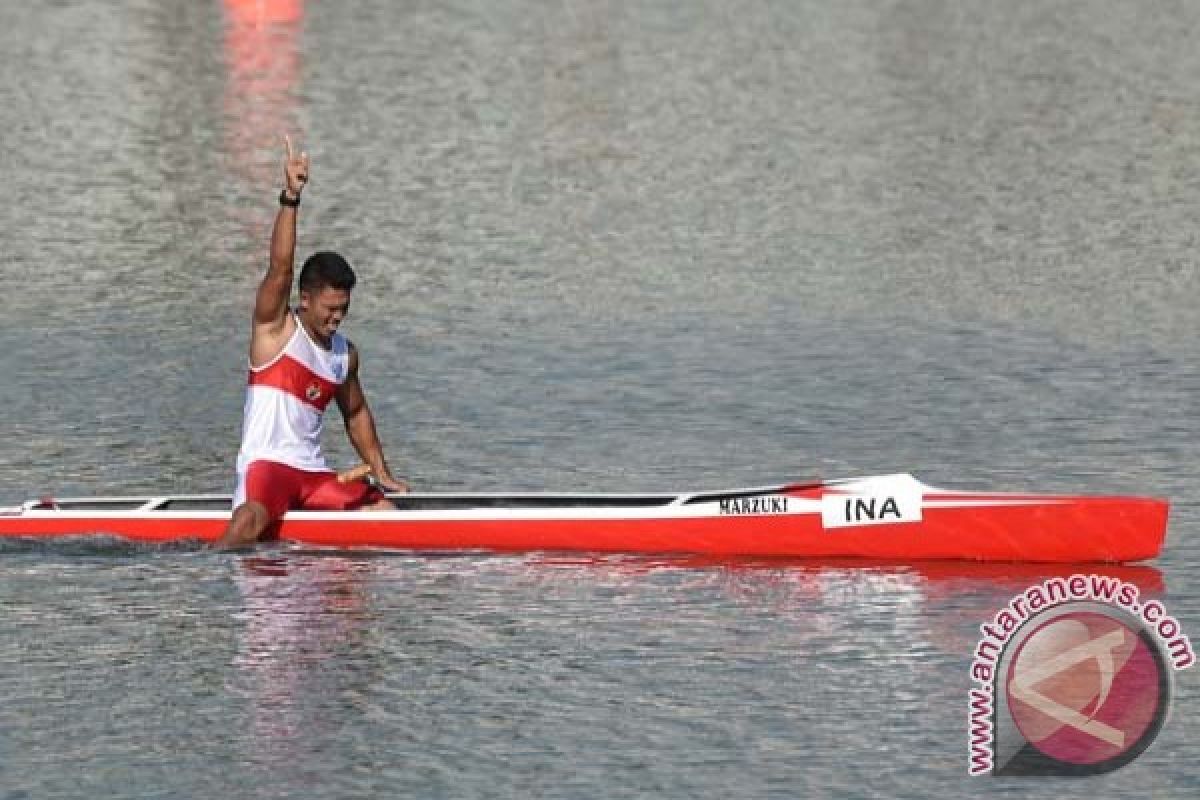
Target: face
[324, 310]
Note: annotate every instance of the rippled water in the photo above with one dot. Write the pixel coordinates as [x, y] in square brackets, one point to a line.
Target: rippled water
[602, 246]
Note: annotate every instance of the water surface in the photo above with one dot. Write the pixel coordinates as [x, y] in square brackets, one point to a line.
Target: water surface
[613, 246]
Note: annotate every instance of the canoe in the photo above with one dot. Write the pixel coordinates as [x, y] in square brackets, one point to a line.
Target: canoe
[891, 517]
[882, 517]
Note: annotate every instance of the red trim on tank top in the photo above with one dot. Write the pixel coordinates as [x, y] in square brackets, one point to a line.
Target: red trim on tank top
[292, 376]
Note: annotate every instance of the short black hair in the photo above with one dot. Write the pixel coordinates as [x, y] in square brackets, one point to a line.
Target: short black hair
[326, 269]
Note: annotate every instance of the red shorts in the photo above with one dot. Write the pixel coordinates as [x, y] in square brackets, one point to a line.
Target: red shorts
[282, 488]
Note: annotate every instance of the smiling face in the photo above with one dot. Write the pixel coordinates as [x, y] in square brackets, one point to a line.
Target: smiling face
[322, 310]
[325, 283]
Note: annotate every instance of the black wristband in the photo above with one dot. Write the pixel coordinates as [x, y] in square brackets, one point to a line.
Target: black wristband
[290, 202]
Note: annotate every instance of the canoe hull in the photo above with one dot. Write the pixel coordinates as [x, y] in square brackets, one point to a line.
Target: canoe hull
[892, 517]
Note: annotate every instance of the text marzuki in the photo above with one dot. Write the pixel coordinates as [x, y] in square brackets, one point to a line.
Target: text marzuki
[755, 505]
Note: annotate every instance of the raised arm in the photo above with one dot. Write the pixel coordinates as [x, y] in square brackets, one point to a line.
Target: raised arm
[270, 305]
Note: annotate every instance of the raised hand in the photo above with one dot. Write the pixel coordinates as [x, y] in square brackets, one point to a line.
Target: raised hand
[295, 169]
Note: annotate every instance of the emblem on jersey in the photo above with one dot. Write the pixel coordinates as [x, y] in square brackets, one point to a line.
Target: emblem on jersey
[313, 392]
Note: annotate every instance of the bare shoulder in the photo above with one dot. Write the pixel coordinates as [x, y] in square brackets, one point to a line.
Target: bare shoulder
[268, 341]
[352, 351]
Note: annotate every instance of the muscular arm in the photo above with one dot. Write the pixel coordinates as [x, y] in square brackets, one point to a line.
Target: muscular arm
[360, 426]
[271, 302]
[270, 305]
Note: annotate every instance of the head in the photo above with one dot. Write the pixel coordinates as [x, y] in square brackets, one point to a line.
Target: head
[325, 283]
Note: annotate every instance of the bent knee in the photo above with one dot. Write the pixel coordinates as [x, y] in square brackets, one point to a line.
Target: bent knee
[247, 524]
[253, 514]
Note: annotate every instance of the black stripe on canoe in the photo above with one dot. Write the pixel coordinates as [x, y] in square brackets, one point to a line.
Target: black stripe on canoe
[717, 497]
[410, 502]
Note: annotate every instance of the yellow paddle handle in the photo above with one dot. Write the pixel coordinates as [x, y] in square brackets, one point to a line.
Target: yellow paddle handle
[354, 474]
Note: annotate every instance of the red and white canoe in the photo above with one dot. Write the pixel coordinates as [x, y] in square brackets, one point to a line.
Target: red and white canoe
[884, 517]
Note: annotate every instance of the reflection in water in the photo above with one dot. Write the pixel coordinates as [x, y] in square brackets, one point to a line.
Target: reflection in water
[939, 604]
[794, 578]
[262, 56]
[384, 663]
[302, 618]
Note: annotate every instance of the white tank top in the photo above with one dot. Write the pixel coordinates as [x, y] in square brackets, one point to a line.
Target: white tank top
[286, 400]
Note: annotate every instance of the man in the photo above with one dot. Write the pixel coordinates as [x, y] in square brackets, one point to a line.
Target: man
[298, 363]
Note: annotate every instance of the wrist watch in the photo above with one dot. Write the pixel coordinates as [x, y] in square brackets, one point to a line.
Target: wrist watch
[291, 202]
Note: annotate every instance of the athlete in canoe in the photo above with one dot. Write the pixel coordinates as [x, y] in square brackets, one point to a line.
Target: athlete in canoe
[298, 364]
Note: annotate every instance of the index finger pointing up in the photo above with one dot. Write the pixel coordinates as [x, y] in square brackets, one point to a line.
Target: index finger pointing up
[287, 141]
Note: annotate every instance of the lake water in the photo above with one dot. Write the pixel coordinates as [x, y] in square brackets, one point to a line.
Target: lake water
[601, 246]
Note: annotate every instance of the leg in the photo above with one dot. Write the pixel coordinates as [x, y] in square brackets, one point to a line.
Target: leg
[326, 493]
[262, 495]
[250, 520]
